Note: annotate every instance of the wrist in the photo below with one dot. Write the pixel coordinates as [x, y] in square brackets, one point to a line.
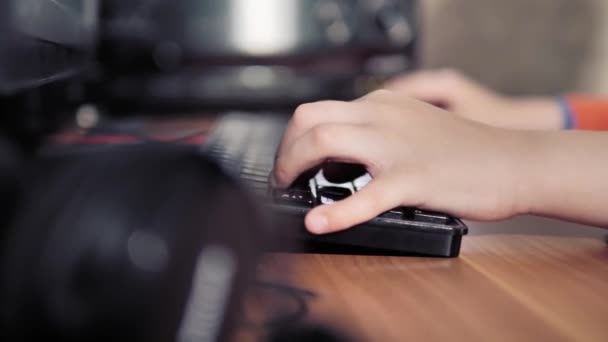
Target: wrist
[542, 179]
[537, 113]
[529, 178]
[567, 114]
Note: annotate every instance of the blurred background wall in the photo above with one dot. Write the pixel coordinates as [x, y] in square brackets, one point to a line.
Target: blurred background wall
[520, 46]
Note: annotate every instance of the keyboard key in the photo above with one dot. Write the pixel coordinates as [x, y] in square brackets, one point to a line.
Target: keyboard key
[259, 188]
[292, 196]
[331, 194]
[319, 182]
[396, 214]
[429, 216]
[254, 171]
[255, 178]
[302, 182]
[342, 172]
[362, 181]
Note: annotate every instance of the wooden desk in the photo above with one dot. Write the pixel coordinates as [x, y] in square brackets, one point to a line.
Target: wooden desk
[549, 284]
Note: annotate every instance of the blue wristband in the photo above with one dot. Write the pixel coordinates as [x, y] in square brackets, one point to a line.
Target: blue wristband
[567, 114]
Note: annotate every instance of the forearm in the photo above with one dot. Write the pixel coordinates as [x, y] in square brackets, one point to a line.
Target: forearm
[566, 176]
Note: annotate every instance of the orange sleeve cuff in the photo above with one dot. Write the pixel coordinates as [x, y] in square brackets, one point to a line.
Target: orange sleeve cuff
[589, 113]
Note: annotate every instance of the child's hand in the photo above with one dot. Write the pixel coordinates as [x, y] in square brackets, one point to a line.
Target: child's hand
[456, 93]
[419, 155]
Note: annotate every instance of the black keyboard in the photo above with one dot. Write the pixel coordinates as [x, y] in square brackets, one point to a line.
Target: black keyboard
[245, 144]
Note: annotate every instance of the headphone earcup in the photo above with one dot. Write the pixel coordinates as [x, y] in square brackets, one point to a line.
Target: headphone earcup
[10, 167]
[122, 242]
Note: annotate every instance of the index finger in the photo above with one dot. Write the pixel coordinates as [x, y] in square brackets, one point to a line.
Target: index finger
[309, 115]
[344, 142]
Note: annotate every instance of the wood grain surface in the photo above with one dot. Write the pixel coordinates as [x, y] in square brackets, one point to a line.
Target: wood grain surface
[503, 287]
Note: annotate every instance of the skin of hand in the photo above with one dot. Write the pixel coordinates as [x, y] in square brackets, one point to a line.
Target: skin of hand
[461, 95]
[423, 156]
[418, 155]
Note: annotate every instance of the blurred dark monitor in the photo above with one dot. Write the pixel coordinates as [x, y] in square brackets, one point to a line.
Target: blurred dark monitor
[250, 54]
[45, 47]
[43, 41]
[144, 56]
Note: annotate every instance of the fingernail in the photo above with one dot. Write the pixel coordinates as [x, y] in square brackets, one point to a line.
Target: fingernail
[317, 224]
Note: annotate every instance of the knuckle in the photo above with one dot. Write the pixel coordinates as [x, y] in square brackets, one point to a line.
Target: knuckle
[302, 113]
[321, 136]
[379, 94]
[382, 92]
[306, 110]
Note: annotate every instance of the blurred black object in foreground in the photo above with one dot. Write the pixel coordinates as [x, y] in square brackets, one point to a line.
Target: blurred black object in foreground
[127, 242]
[304, 332]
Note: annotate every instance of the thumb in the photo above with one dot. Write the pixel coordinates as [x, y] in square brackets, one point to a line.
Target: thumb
[378, 196]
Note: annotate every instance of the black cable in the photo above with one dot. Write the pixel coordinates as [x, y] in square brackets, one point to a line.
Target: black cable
[298, 295]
